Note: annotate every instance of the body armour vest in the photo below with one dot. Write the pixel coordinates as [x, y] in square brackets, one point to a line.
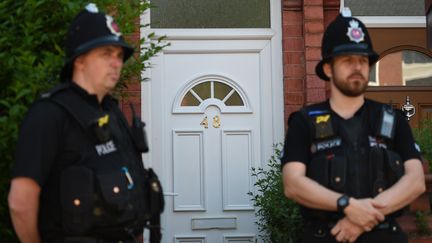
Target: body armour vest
[107, 193]
[354, 156]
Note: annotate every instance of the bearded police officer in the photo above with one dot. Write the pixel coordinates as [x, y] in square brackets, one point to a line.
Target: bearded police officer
[78, 175]
[350, 162]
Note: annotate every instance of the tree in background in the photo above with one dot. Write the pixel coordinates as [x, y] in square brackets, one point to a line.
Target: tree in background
[31, 57]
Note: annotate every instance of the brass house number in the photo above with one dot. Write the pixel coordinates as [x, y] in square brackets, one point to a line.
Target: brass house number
[216, 122]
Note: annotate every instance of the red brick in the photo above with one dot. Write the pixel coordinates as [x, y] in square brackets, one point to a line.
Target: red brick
[294, 70]
[293, 31]
[292, 5]
[313, 2]
[293, 44]
[313, 81]
[292, 17]
[313, 40]
[314, 27]
[310, 67]
[292, 57]
[134, 86]
[133, 97]
[295, 98]
[293, 85]
[313, 53]
[329, 16]
[313, 13]
[134, 37]
[331, 4]
[125, 105]
[315, 95]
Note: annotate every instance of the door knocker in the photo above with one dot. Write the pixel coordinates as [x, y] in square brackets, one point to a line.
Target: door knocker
[408, 109]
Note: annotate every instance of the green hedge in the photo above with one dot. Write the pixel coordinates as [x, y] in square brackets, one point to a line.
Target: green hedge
[278, 218]
[423, 136]
[31, 56]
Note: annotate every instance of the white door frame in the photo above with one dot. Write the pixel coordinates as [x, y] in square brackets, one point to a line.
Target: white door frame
[271, 120]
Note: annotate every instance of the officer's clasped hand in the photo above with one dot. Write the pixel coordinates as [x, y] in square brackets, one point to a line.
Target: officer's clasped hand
[365, 213]
[346, 231]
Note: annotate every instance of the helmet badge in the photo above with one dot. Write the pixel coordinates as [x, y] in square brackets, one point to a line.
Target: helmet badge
[112, 26]
[355, 33]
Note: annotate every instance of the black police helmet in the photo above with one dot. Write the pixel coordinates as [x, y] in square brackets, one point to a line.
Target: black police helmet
[346, 35]
[90, 29]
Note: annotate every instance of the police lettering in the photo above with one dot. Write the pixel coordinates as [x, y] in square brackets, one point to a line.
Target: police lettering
[106, 148]
[373, 142]
[327, 144]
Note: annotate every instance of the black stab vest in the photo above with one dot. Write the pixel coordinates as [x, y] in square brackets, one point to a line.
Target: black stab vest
[108, 193]
[353, 156]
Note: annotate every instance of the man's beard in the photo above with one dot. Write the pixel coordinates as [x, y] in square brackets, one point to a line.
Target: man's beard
[353, 88]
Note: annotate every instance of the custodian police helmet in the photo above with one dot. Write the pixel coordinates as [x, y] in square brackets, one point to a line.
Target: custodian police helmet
[344, 36]
[91, 28]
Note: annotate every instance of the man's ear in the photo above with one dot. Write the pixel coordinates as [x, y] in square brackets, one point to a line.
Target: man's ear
[327, 70]
[78, 61]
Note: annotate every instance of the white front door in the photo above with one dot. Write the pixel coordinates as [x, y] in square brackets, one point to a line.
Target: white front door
[213, 110]
[213, 145]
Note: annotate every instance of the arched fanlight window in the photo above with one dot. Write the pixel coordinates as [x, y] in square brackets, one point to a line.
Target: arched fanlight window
[211, 90]
[403, 66]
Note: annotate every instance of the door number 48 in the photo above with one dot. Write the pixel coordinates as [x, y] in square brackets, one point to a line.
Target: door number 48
[216, 122]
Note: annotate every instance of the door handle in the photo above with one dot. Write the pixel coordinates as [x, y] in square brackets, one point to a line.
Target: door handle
[173, 194]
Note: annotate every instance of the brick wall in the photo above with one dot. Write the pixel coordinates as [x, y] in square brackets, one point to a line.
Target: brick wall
[133, 95]
[133, 92]
[303, 24]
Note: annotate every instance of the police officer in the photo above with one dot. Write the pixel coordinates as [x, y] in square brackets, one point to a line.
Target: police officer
[350, 162]
[78, 175]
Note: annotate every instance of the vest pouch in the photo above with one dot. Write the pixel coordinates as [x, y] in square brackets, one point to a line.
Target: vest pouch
[338, 172]
[318, 170]
[114, 190]
[378, 178]
[76, 196]
[115, 205]
[156, 199]
[395, 166]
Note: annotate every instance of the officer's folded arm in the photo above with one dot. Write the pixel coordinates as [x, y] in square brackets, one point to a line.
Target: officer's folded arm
[309, 193]
[23, 202]
[407, 189]
[306, 191]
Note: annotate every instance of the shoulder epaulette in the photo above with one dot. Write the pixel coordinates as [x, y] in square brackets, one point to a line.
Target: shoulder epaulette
[56, 89]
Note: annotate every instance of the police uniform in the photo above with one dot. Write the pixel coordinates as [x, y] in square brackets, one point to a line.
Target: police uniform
[356, 138]
[357, 157]
[84, 155]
